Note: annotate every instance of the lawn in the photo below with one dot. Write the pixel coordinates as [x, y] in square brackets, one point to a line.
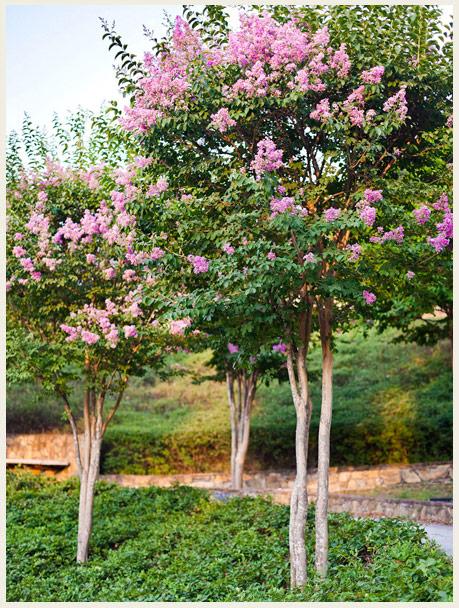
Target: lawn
[178, 544]
[392, 404]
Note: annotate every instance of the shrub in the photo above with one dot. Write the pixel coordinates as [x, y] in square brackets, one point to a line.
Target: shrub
[178, 544]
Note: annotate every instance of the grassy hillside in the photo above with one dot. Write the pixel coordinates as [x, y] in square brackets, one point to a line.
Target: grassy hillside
[178, 545]
[392, 403]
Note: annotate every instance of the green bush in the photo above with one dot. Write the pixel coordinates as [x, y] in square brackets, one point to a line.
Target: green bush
[177, 544]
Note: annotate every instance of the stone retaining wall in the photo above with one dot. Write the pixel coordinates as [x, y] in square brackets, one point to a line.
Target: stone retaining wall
[342, 479]
[363, 506]
[43, 446]
[59, 446]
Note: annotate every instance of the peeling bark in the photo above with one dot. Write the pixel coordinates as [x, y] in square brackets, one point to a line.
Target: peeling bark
[323, 462]
[240, 403]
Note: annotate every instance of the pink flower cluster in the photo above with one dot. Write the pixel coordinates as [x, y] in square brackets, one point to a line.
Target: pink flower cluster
[200, 264]
[233, 348]
[268, 158]
[228, 248]
[397, 235]
[177, 328]
[422, 214]
[280, 347]
[355, 250]
[158, 188]
[284, 205]
[332, 214]
[397, 104]
[374, 75]
[222, 120]
[369, 297]
[322, 112]
[310, 258]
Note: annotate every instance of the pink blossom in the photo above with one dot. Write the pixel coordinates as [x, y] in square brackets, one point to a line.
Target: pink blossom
[158, 188]
[422, 214]
[71, 331]
[36, 276]
[442, 204]
[340, 62]
[142, 161]
[89, 337]
[156, 253]
[332, 214]
[18, 236]
[19, 252]
[8, 285]
[27, 264]
[42, 197]
[369, 297]
[130, 331]
[228, 248]
[186, 198]
[222, 121]
[372, 196]
[446, 226]
[397, 103]
[129, 275]
[268, 157]
[178, 327]
[368, 215]
[310, 258]
[322, 112]
[439, 242]
[355, 250]
[233, 348]
[50, 263]
[90, 258]
[374, 75]
[449, 121]
[280, 348]
[109, 273]
[112, 337]
[271, 255]
[409, 275]
[200, 264]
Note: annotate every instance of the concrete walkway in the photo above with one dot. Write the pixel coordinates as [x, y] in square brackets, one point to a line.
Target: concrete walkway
[443, 535]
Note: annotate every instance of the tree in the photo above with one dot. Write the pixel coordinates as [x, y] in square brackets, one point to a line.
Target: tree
[281, 140]
[84, 299]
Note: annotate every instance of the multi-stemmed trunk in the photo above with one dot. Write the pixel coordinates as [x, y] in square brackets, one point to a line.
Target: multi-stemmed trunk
[296, 366]
[240, 403]
[323, 462]
[87, 452]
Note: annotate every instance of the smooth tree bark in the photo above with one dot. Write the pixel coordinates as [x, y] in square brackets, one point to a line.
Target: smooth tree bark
[240, 403]
[296, 366]
[87, 452]
[323, 461]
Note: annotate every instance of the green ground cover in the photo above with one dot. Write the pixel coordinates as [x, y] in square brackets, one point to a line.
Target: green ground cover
[392, 403]
[178, 544]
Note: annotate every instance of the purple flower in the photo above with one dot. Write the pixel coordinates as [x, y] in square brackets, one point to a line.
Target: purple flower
[222, 121]
[374, 75]
[409, 275]
[200, 264]
[439, 242]
[422, 214]
[332, 214]
[130, 331]
[233, 348]
[18, 236]
[355, 250]
[156, 253]
[368, 215]
[228, 248]
[280, 347]
[310, 258]
[442, 203]
[19, 252]
[271, 255]
[268, 157]
[372, 196]
[89, 337]
[369, 297]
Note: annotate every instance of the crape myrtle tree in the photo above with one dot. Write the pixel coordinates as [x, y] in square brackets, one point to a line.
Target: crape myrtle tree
[84, 299]
[282, 139]
[240, 357]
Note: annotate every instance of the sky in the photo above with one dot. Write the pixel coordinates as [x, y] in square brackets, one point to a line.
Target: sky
[56, 58]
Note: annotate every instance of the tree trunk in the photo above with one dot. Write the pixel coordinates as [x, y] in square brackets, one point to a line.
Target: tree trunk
[323, 461]
[299, 498]
[240, 408]
[87, 486]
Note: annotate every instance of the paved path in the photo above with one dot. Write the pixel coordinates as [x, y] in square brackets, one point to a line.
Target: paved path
[443, 535]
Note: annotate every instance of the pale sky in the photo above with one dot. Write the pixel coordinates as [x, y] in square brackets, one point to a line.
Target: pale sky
[56, 58]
